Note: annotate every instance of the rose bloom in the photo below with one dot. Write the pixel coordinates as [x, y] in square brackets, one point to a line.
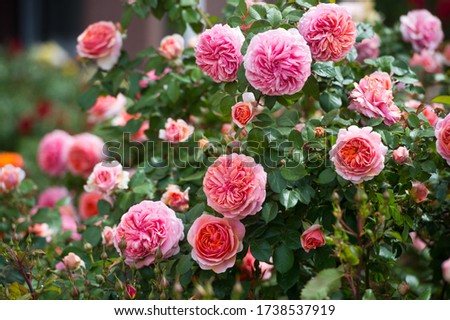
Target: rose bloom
[312, 238]
[151, 230]
[176, 131]
[369, 48]
[101, 41]
[249, 271]
[235, 186]
[446, 270]
[427, 60]
[329, 31]
[106, 108]
[53, 151]
[87, 204]
[12, 158]
[41, 230]
[418, 192]
[400, 155]
[215, 242]
[422, 29]
[130, 292]
[278, 62]
[107, 177]
[85, 152]
[69, 222]
[50, 196]
[171, 47]
[218, 52]
[373, 98]
[10, 178]
[358, 154]
[175, 198]
[417, 243]
[442, 133]
[72, 261]
[243, 112]
[108, 236]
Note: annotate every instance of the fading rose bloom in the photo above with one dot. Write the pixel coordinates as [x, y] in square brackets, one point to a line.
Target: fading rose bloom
[151, 76]
[218, 52]
[171, 47]
[101, 41]
[278, 62]
[329, 31]
[312, 238]
[358, 154]
[176, 131]
[428, 60]
[446, 270]
[73, 262]
[243, 112]
[108, 236]
[106, 108]
[215, 242]
[87, 204]
[12, 158]
[369, 48]
[400, 155]
[84, 153]
[417, 243]
[249, 271]
[53, 151]
[10, 178]
[442, 133]
[175, 198]
[150, 230]
[41, 230]
[235, 186]
[50, 196]
[422, 29]
[418, 192]
[69, 222]
[107, 177]
[373, 98]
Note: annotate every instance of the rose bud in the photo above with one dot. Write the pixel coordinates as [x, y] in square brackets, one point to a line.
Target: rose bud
[418, 192]
[72, 261]
[312, 238]
[400, 155]
[130, 293]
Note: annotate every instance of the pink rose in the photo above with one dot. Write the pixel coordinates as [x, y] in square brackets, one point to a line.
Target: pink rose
[400, 155]
[69, 222]
[72, 261]
[50, 196]
[312, 238]
[106, 108]
[107, 177]
[243, 112]
[446, 270]
[176, 131]
[249, 271]
[421, 29]
[88, 204]
[85, 152]
[369, 48]
[123, 118]
[418, 192]
[428, 60]
[150, 230]
[358, 154]
[373, 98]
[329, 31]
[171, 47]
[175, 198]
[41, 230]
[108, 236]
[218, 52]
[278, 62]
[215, 242]
[10, 177]
[446, 54]
[417, 242]
[428, 111]
[130, 292]
[152, 77]
[235, 186]
[52, 152]
[442, 133]
[101, 41]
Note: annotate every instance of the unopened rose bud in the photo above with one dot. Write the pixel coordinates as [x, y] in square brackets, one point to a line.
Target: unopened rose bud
[75, 292]
[104, 256]
[386, 195]
[119, 285]
[88, 247]
[319, 131]
[122, 245]
[403, 288]
[203, 143]
[130, 292]
[400, 155]
[335, 197]
[72, 261]
[361, 196]
[99, 278]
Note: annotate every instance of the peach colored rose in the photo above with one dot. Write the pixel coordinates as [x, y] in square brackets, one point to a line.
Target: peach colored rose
[41, 230]
[400, 155]
[101, 41]
[227, 129]
[358, 154]
[418, 192]
[10, 178]
[243, 112]
[442, 133]
[73, 262]
[312, 238]
[369, 48]
[446, 270]
[218, 52]
[176, 131]
[107, 177]
[106, 108]
[52, 152]
[422, 29]
[84, 153]
[373, 98]
[150, 230]
[235, 186]
[175, 198]
[417, 242]
[50, 196]
[329, 31]
[215, 242]
[171, 47]
[249, 271]
[108, 236]
[88, 204]
[428, 60]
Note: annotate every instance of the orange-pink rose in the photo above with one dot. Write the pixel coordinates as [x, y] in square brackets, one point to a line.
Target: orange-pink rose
[108, 236]
[400, 155]
[88, 204]
[175, 198]
[312, 238]
[243, 112]
[72, 261]
[10, 177]
[442, 133]
[249, 270]
[176, 131]
[171, 47]
[418, 192]
[106, 108]
[84, 153]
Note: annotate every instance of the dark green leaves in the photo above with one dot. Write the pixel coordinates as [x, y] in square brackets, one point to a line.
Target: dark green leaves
[323, 285]
[283, 259]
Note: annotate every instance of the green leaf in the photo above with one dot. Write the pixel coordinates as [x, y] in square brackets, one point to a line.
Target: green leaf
[369, 295]
[184, 264]
[104, 208]
[288, 119]
[276, 181]
[283, 259]
[88, 97]
[263, 120]
[270, 211]
[442, 99]
[257, 12]
[311, 87]
[293, 171]
[329, 117]
[261, 250]
[323, 285]
[363, 31]
[195, 212]
[93, 235]
[243, 7]
[225, 105]
[413, 120]
[324, 69]
[188, 3]
[326, 176]
[27, 186]
[330, 101]
[274, 16]
[288, 198]
[49, 216]
[173, 90]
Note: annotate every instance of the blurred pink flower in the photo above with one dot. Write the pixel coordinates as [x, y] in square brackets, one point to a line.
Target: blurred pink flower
[50, 196]
[430, 61]
[171, 47]
[106, 108]
[249, 271]
[418, 192]
[417, 242]
[53, 151]
[422, 29]
[84, 153]
[400, 155]
[176, 131]
[369, 48]
[175, 198]
[10, 177]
